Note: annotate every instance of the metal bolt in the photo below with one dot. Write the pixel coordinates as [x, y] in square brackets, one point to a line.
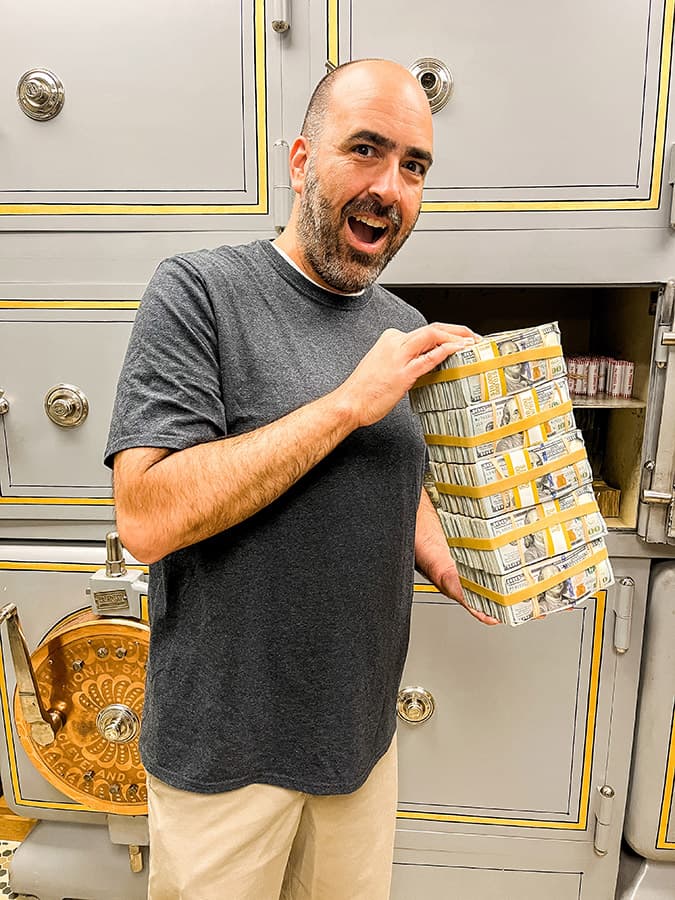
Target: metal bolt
[78, 664]
[102, 652]
[120, 653]
[115, 789]
[89, 775]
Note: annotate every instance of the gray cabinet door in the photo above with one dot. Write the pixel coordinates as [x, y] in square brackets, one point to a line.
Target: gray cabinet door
[529, 723]
[557, 121]
[168, 118]
[650, 816]
[50, 470]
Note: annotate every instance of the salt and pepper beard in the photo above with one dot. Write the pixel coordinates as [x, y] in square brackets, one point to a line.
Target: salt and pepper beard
[340, 265]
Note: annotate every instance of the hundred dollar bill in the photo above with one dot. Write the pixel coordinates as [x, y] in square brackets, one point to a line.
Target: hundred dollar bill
[568, 581]
[581, 586]
[498, 381]
[536, 545]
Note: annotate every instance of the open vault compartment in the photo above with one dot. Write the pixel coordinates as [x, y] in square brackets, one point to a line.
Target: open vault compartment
[594, 321]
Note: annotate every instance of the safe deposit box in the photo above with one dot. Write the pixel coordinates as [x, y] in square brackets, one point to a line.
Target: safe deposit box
[137, 131]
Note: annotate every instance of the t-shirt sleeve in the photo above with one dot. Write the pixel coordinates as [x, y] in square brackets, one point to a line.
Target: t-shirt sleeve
[169, 393]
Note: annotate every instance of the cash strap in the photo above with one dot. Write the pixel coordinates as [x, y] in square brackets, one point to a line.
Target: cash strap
[505, 484]
[534, 589]
[575, 512]
[486, 365]
[497, 434]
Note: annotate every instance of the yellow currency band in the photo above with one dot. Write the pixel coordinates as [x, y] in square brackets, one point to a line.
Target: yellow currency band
[486, 365]
[576, 512]
[534, 589]
[505, 484]
[489, 437]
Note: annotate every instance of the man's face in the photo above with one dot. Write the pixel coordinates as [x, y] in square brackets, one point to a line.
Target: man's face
[363, 180]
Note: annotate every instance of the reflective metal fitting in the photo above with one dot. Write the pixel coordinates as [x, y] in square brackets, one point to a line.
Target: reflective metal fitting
[117, 723]
[66, 405]
[435, 80]
[415, 705]
[41, 94]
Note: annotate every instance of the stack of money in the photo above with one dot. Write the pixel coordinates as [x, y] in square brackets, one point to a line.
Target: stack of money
[513, 480]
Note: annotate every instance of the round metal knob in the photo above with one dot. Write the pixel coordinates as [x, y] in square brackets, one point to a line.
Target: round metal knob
[117, 723]
[435, 79]
[66, 405]
[415, 705]
[40, 94]
[4, 404]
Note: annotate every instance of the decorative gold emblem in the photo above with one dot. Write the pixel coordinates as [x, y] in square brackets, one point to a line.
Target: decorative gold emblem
[92, 671]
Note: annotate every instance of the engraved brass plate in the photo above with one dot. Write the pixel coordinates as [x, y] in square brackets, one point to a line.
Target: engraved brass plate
[82, 669]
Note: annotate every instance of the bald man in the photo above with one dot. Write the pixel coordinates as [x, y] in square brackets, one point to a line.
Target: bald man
[268, 467]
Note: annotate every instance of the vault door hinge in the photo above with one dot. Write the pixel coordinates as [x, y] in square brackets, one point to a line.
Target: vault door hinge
[282, 192]
[281, 15]
[603, 820]
[623, 611]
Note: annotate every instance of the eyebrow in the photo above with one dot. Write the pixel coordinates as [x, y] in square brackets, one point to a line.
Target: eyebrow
[386, 143]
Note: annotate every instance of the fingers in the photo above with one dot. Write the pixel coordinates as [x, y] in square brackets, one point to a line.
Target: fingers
[426, 338]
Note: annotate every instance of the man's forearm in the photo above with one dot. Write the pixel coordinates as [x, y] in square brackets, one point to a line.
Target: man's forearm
[166, 501]
[432, 555]
[192, 494]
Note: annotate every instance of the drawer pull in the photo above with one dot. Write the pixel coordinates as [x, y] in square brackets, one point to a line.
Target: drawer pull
[66, 405]
[40, 94]
[415, 705]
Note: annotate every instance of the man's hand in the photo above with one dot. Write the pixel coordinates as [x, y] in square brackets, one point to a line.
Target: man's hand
[433, 559]
[448, 583]
[391, 367]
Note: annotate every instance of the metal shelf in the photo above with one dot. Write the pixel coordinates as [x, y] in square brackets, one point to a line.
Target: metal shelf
[604, 402]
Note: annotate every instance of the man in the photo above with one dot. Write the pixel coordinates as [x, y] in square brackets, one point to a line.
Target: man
[268, 465]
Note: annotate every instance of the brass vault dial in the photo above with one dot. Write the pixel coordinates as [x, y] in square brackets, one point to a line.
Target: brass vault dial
[89, 674]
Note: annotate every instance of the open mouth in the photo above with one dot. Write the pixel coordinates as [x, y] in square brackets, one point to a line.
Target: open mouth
[367, 230]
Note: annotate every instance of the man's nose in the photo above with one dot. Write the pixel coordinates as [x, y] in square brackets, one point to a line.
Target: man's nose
[386, 185]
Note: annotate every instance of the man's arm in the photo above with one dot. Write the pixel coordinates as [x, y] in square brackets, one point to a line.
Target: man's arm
[166, 501]
[433, 559]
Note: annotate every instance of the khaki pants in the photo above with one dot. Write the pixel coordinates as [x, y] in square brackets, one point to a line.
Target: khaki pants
[268, 843]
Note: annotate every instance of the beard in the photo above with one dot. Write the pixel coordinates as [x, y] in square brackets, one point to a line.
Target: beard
[320, 229]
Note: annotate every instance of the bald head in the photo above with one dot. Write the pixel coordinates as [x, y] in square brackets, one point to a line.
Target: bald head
[376, 75]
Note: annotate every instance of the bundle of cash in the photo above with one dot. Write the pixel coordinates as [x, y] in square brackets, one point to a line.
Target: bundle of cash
[565, 579]
[512, 476]
[513, 480]
[506, 418]
[499, 365]
[507, 465]
[537, 434]
[526, 536]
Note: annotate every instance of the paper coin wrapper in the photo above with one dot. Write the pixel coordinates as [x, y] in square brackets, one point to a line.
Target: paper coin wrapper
[512, 475]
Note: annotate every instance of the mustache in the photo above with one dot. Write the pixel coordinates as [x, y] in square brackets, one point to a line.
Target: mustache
[371, 207]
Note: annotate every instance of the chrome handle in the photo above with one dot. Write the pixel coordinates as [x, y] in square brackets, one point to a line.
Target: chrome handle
[40, 94]
[435, 79]
[281, 16]
[117, 723]
[415, 705]
[43, 723]
[66, 405]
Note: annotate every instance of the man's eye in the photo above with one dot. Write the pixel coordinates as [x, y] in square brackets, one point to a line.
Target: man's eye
[416, 167]
[364, 150]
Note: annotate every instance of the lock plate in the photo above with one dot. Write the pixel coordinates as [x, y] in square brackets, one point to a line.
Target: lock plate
[93, 672]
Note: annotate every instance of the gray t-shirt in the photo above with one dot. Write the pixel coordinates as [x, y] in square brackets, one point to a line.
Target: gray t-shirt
[276, 646]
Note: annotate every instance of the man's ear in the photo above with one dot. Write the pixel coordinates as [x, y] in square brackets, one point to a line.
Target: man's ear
[298, 160]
